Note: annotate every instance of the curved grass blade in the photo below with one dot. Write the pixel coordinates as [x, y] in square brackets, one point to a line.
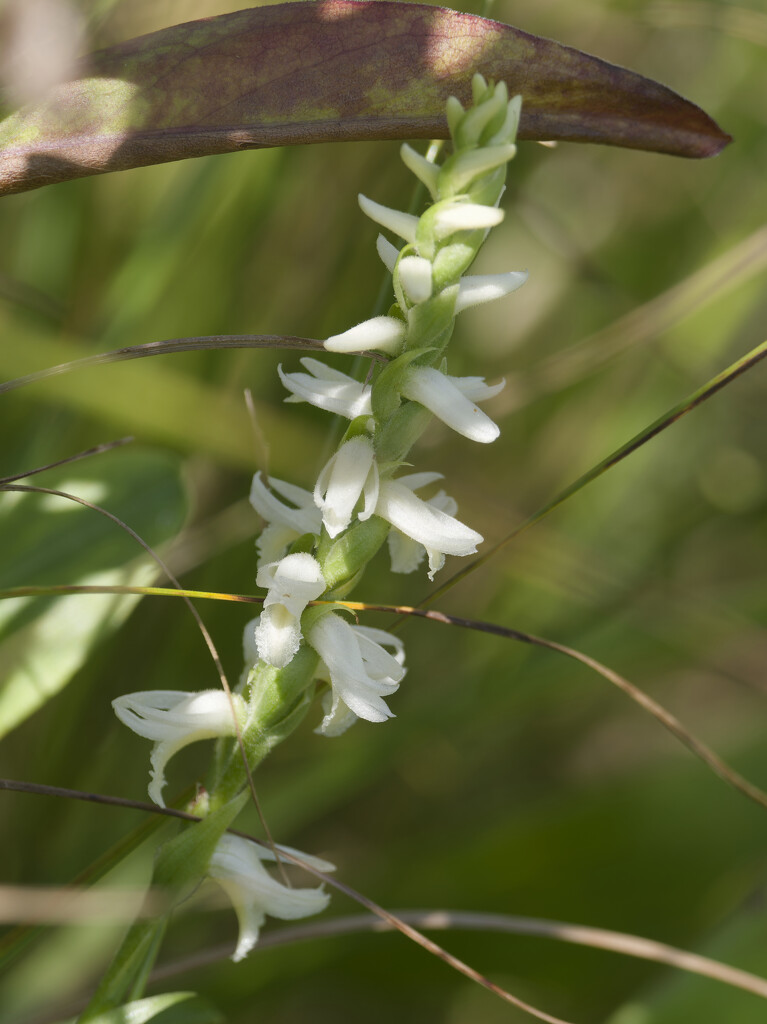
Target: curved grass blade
[657, 427]
[330, 70]
[462, 920]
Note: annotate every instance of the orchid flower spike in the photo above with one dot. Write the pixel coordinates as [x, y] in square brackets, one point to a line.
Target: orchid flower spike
[285, 524]
[328, 389]
[361, 672]
[173, 719]
[350, 474]
[426, 523]
[291, 584]
[237, 866]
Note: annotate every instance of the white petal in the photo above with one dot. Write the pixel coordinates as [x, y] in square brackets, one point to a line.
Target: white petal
[415, 278]
[274, 540]
[439, 394]
[303, 519]
[405, 553]
[472, 291]
[342, 481]
[476, 389]
[417, 519]
[388, 253]
[465, 217]
[337, 717]
[415, 481]
[402, 224]
[382, 333]
[337, 393]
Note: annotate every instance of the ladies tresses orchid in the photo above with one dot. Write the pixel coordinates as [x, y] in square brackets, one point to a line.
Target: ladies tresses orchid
[407, 554]
[361, 672]
[350, 474]
[286, 524]
[328, 389]
[449, 399]
[174, 719]
[237, 866]
[424, 522]
[291, 584]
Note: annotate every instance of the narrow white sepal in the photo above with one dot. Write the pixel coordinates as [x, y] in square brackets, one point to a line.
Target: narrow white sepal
[348, 475]
[415, 277]
[328, 389]
[387, 252]
[402, 224]
[472, 291]
[465, 217]
[173, 719]
[382, 333]
[236, 864]
[441, 395]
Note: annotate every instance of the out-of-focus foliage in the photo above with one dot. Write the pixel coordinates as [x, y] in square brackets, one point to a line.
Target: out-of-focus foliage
[511, 780]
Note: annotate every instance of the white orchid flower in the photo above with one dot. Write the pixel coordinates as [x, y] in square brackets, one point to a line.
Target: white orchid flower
[291, 584]
[328, 389]
[360, 670]
[382, 333]
[465, 217]
[450, 399]
[173, 719]
[407, 554]
[286, 524]
[237, 866]
[473, 290]
[350, 474]
[427, 524]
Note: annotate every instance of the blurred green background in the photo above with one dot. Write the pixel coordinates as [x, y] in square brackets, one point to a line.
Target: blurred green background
[512, 780]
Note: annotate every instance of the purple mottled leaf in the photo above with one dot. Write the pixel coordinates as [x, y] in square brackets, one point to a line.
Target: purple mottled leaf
[327, 70]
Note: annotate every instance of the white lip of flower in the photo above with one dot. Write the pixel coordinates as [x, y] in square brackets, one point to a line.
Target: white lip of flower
[291, 583]
[361, 672]
[465, 217]
[328, 389]
[382, 333]
[174, 719]
[349, 474]
[436, 530]
[447, 398]
[473, 290]
[286, 524]
[402, 224]
[237, 866]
